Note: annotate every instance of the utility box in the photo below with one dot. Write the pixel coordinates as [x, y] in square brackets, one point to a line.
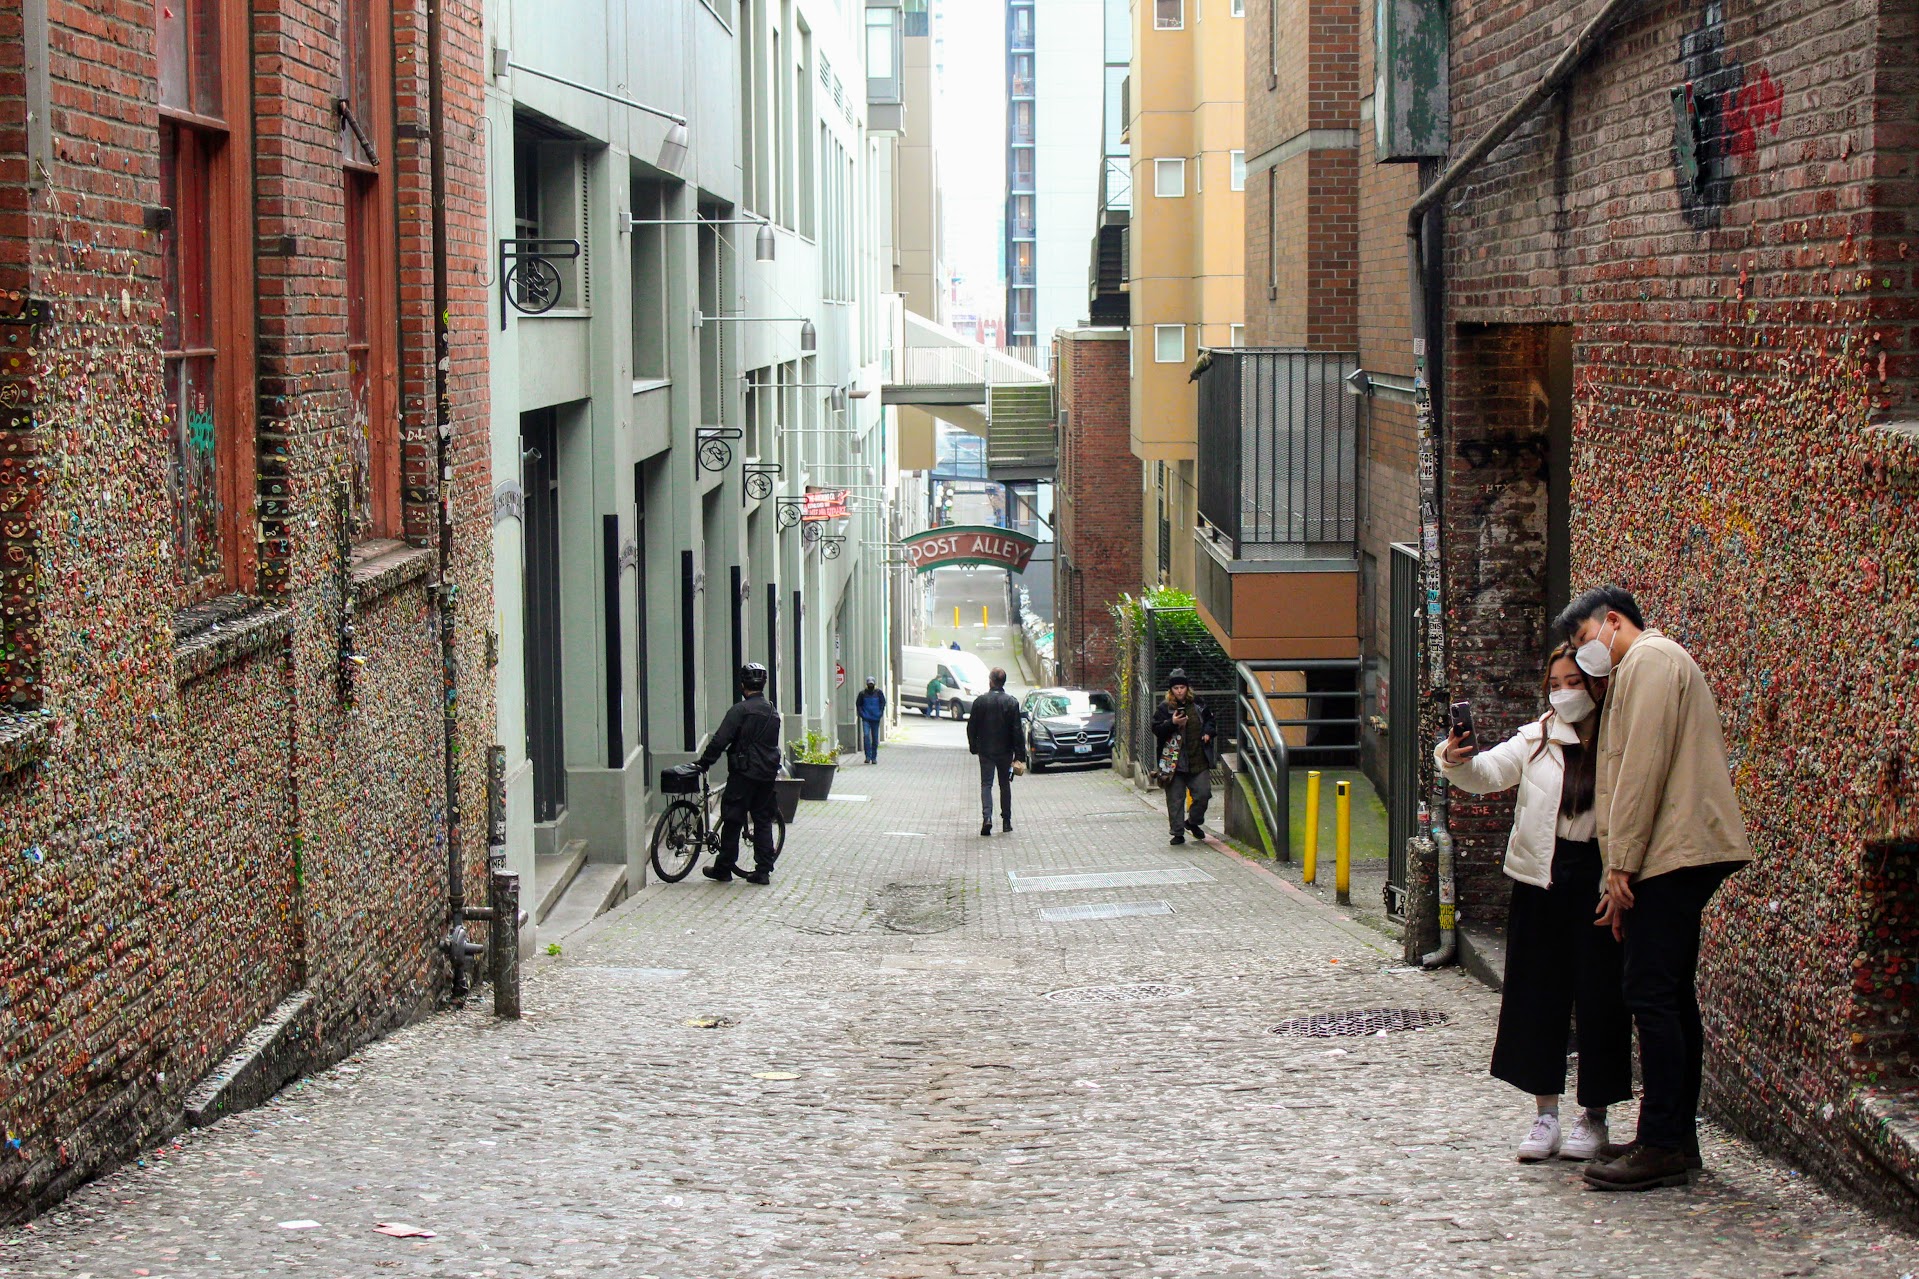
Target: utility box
[1411, 118]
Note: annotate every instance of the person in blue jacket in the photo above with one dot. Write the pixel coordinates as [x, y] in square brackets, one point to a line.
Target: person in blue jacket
[871, 705]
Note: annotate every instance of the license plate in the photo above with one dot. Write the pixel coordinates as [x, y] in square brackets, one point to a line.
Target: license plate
[1082, 750]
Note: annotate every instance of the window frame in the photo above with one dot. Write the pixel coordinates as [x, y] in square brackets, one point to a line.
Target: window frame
[1159, 331]
[1236, 166]
[1236, 335]
[373, 187]
[1159, 21]
[225, 142]
[1237, 9]
[1161, 165]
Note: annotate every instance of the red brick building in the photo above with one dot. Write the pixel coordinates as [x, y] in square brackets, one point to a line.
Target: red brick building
[1096, 504]
[244, 548]
[1678, 348]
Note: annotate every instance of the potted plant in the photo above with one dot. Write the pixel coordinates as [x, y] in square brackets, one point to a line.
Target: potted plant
[815, 760]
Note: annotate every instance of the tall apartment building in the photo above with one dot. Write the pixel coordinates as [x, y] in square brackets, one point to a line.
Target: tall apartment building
[1185, 98]
[703, 203]
[918, 220]
[244, 554]
[1053, 95]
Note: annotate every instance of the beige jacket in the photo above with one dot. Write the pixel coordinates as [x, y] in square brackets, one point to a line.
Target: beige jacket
[1664, 796]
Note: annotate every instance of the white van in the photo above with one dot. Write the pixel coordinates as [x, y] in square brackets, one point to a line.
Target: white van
[963, 675]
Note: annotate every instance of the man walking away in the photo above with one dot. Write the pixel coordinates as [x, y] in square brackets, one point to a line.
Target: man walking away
[1670, 832]
[871, 705]
[993, 733]
[934, 687]
[749, 737]
[1185, 717]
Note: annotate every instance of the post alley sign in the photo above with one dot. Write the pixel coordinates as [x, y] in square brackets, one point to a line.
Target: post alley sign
[969, 544]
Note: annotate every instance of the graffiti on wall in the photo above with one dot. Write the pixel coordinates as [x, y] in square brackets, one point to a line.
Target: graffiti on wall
[1720, 108]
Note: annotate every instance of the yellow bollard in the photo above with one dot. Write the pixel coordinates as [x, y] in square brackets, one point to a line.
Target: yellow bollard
[1343, 843]
[982, 615]
[956, 617]
[1309, 858]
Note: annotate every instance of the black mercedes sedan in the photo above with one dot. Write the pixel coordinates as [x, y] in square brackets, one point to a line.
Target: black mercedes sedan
[1068, 726]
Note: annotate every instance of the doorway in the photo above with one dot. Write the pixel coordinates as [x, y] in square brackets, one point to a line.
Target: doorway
[540, 613]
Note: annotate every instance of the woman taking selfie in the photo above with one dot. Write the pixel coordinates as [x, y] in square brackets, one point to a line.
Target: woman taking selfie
[1556, 960]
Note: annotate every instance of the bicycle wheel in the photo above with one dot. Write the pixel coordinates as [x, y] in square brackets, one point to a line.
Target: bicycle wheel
[779, 834]
[676, 841]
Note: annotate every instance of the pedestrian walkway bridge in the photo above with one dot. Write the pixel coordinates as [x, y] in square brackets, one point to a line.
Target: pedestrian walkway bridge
[981, 390]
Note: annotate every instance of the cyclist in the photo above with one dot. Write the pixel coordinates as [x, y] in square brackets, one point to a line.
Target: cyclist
[749, 737]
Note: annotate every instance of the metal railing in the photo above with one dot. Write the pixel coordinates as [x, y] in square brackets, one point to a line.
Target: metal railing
[1266, 757]
[971, 365]
[1284, 433]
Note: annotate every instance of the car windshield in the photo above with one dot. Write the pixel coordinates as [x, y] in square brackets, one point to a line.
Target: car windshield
[1047, 705]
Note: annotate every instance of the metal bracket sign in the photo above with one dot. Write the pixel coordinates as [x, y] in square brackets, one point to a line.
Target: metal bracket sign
[969, 544]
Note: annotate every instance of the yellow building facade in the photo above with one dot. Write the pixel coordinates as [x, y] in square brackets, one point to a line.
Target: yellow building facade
[1186, 248]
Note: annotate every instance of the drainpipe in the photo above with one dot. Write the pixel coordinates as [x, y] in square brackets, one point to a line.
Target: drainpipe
[1424, 284]
[459, 949]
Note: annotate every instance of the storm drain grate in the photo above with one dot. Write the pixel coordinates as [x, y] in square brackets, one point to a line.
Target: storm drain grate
[1137, 992]
[1103, 910]
[1107, 879]
[1365, 1021]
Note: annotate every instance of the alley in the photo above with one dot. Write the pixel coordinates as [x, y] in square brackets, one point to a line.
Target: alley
[918, 1054]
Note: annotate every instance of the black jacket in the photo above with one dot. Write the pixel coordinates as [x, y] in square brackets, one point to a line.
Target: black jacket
[749, 737]
[993, 727]
[1163, 727]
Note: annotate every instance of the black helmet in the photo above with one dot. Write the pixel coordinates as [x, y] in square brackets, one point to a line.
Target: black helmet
[1177, 678]
[753, 677]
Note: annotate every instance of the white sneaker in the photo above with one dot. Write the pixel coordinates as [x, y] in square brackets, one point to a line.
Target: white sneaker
[1542, 1142]
[1585, 1139]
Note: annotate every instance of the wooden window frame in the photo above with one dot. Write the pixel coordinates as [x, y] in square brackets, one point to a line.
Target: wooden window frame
[369, 196]
[228, 245]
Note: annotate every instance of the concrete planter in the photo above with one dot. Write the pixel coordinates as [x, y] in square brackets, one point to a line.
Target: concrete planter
[816, 779]
[787, 793]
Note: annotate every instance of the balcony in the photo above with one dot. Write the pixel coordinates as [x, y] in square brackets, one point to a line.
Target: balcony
[1278, 518]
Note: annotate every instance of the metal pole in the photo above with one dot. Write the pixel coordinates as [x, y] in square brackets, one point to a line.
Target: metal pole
[1310, 856]
[504, 937]
[1343, 843]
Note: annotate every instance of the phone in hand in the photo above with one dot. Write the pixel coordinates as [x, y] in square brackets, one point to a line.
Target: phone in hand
[1460, 719]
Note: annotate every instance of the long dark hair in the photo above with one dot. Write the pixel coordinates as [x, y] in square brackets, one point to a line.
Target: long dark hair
[1582, 758]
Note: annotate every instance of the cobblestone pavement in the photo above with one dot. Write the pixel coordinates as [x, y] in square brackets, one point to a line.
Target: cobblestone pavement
[859, 1072]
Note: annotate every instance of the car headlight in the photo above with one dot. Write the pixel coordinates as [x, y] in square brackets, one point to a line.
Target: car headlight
[1042, 733]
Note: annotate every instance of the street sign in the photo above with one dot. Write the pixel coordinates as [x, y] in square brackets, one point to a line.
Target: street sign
[969, 544]
[824, 504]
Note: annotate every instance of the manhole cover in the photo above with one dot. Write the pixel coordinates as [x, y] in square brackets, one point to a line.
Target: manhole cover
[918, 909]
[1138, 992]
[1365, 1021]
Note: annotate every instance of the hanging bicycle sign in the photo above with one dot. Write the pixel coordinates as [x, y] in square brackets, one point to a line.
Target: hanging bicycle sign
[810, 534]
[528, 278]
[714, 453]
[830, 546]
[789, 511]
[760, 477]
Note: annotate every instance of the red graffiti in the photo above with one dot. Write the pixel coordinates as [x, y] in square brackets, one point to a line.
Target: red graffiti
[1757, 104]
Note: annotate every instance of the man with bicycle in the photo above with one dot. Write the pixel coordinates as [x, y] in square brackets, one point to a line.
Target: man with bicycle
[749, 737]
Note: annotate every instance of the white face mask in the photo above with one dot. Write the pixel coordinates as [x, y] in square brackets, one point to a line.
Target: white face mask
[1572, 704]
[1595, 657]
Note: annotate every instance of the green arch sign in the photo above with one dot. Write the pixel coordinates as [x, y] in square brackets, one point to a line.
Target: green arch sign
[969, 544]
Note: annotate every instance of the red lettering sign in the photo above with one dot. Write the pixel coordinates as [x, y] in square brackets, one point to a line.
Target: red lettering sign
[824, 504]
[969, 544]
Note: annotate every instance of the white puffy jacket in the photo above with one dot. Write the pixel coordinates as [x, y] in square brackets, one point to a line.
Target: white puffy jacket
[1529, 850]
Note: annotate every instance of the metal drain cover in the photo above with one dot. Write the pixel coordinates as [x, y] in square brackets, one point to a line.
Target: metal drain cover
[1074, 881]
[1364, 1021]
[1137, 992]
[1103, 910]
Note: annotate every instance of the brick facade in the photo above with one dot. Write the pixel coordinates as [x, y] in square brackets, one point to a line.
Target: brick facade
[204, 809]
[1097, 505]
[1739, 300]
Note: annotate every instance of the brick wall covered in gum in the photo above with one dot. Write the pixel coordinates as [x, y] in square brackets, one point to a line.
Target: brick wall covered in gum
[1733, 347]
[183, 855]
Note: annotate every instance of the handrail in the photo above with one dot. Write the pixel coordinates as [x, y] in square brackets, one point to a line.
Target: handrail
[1262, 755]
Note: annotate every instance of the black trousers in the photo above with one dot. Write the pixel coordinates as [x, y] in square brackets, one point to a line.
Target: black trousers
[1662, 989]
[743, 798]
[989, 768]
[1198, 784]
[1556, 962]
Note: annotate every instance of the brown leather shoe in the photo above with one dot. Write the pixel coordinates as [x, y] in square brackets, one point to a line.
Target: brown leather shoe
[1641, 1167]
[1618, 1149]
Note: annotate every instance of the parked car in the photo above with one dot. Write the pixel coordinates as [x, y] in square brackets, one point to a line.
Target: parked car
[963, 675]
[1068, 726]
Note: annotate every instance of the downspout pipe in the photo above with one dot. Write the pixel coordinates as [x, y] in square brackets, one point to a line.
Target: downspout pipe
[1424, 283]
[460, 950]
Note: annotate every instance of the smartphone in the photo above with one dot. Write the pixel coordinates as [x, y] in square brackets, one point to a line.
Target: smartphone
[1461, 717]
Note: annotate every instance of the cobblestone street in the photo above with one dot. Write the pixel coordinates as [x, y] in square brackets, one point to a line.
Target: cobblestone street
[890, 1063]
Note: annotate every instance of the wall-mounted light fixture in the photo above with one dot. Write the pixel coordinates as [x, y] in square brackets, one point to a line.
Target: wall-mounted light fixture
[809, 336]
[672, 147]
[763, 239]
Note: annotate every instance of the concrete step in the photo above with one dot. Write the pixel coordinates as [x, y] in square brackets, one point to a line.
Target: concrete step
[551, 876]
[272, 1053]
[596, 889]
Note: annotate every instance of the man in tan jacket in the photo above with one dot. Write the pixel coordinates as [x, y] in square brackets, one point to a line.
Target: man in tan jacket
[1670, 832]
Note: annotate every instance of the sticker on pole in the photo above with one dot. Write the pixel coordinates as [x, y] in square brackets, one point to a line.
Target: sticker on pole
[954, 544]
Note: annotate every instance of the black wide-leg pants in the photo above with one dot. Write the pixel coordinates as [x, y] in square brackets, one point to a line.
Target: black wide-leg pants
[1558, 961]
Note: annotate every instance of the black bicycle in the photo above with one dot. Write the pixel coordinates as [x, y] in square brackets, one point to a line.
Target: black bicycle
[689, 827]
